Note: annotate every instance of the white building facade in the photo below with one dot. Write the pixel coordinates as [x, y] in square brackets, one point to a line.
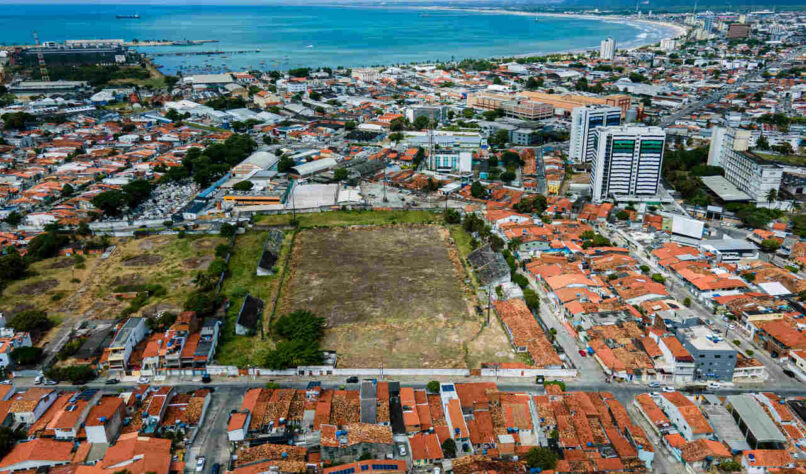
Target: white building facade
[584, 121]
[627, 163]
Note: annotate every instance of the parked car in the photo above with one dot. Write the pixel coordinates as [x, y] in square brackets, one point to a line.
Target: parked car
[51, 382]
[206, 378]
[216, 468]
[352, 379]
[402, 450]
[144, 380]
[39, 379]
[654, 384]
[668, 389]
[583, 353]
[789, 373]
[200, 464]
[112, 381]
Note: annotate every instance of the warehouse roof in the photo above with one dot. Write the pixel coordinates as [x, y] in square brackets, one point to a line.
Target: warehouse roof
[724, 189]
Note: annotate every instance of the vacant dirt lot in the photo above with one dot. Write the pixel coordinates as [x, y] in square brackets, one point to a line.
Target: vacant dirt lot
[393, 295]
[72, 294]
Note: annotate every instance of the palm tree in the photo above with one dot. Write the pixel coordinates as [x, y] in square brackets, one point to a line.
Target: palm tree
[772, 195]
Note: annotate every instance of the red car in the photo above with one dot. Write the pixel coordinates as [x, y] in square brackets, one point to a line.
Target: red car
[583, 353]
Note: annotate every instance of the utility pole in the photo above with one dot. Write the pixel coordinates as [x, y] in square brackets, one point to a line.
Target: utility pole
[385, 166]
[489, 301]
[293, 204]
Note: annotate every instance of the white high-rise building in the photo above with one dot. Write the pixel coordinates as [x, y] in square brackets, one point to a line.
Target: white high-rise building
[748, 172]
[627, 163]
[583, 122]
[668, 44]
[608, 49]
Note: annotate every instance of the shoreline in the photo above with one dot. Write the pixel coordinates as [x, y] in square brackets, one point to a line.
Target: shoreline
[664, 30]
[676, 30]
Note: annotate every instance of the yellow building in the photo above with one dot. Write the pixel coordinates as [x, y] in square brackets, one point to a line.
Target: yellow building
[565, 103]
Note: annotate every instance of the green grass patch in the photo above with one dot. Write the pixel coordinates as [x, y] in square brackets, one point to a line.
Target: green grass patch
[348, 218]
[242, 278]
[462, 239]
[798, 160]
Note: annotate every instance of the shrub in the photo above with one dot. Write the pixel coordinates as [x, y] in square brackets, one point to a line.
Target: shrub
[77, 374]
[432, 386]
[26, 355]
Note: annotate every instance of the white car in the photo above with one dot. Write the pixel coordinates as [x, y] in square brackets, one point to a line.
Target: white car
[668, 389]
[402, 450]
[144, 380]
[200, 464]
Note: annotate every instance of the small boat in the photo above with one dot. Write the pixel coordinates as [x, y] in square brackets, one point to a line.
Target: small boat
[309, 46]
[128, 17]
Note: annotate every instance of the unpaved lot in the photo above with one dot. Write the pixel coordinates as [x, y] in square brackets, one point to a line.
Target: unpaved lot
[393, 295]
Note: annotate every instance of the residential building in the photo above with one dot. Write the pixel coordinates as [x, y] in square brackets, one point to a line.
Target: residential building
[738, 30]
[627, 163]
[747, 171]
[39, 453]
[607, 49]
[365, 74]
[28, 406]
[759, 429]
[105, 420]
[120, 349]
[584, 121]
[355, 440]
[686, 416]
[714, 358]
[385, 466]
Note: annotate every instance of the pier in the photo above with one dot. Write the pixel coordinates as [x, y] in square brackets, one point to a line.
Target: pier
[208, 53]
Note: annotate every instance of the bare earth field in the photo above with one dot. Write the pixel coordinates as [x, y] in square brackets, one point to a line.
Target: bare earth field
[393, 295]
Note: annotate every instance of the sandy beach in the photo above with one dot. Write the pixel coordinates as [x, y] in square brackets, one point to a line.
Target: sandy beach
[674, 29]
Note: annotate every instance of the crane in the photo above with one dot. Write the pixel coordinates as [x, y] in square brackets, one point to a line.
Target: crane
[43, 70]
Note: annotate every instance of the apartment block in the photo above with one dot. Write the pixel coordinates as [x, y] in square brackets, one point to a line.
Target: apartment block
[513, 106]
[584, 121]
[627, 163]
[747, 171]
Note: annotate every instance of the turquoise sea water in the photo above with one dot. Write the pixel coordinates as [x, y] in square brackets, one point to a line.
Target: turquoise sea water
[295, 36]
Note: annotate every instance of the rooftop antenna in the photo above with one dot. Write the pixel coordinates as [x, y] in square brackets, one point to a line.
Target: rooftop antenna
[43, 70]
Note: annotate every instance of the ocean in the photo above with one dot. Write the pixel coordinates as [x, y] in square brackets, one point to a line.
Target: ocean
[285, 37]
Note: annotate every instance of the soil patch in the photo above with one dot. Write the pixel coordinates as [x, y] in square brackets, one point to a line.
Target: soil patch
[154, 242]
[202, 244]
[133, 279]
[143, 260]
[38, 288]
[198, 263]
[62, 263]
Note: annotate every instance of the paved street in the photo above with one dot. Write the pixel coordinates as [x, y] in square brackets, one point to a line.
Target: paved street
[211, 441]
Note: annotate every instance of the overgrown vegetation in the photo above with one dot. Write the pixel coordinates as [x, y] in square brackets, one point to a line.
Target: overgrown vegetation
[206, 166]
[301, 332]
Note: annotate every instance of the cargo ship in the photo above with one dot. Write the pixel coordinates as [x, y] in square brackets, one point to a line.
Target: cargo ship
[128, 17]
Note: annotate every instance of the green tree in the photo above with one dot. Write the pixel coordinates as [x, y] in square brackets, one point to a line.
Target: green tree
[508, 176]
[32, 320]
[687, 302]
[27, 355]
[452, 216]
[285, 164]
[349, 125]
[397, 125]
[468, 113]
[13, 218]
[730, 466]
[110, 202]
[477, 190]
[421, 122]
[644, 268]
[46, 245]
[449, 448]
[658, 278]
[227, 230]
[622, 215]
[770, 245]
[340, 174]
[432, 386]
[772, 195]
[540, 457]
[67, 190]
[300, 325]
[531, 299]
[137, 191]
[243, 186]
[17, 120]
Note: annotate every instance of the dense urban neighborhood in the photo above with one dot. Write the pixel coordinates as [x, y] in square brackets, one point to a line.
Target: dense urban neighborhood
[578, 262]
